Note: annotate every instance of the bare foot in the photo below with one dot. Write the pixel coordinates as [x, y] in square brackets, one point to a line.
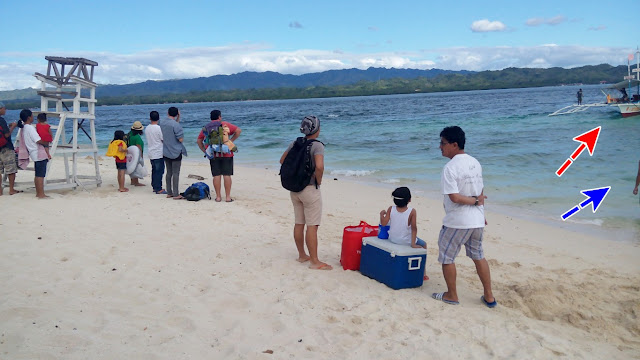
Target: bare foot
[320, 266]
[302, 259]
[123, 190]
[43, 197]
[179, 197]
[169, 196]
[13, 192]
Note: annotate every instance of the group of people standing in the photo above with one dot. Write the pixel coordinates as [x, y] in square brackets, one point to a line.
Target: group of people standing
[463, 196]
[165, 150]
[34, 146]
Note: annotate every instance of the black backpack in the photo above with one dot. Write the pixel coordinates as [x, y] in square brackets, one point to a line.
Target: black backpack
[296, 171]
[196, 192]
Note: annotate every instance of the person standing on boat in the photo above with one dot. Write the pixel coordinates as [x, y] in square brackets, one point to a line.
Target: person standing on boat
[579, 95]
[624, 97]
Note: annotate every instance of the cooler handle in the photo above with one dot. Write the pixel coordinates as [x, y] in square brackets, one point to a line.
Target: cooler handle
[419, 263]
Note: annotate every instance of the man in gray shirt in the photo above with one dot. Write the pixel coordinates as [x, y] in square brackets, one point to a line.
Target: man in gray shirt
[172, 151]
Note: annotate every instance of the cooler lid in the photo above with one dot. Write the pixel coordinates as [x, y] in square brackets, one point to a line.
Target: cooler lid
[391, 248]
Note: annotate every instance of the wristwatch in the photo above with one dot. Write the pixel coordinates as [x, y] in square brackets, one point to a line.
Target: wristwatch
[475, 197]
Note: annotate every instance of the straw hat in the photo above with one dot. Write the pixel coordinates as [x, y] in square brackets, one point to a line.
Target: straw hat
[137, 126]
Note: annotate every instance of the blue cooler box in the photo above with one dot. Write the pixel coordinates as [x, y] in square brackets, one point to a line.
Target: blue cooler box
[397, 266]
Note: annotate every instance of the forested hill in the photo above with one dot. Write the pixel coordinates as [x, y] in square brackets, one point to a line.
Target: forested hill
[348, 82]
[266, 80]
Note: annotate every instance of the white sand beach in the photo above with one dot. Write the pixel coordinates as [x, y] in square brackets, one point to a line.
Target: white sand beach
[98, 274]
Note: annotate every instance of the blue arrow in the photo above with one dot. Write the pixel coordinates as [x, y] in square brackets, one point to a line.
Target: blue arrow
[594, 197]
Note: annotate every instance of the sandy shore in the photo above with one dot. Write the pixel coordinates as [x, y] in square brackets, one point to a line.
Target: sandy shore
[97, 274]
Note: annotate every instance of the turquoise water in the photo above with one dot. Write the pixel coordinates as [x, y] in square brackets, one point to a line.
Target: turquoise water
[394, 140]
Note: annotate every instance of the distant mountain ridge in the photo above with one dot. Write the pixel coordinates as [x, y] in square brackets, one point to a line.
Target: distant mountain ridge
[348, 82]
[269, 79]
[247, 80]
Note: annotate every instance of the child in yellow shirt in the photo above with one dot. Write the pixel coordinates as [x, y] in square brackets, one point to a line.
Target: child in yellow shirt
[118, 149]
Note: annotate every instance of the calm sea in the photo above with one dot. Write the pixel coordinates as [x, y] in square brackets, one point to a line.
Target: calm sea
[393, 140]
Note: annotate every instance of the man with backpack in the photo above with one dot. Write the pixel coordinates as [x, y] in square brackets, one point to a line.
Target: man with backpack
[301, 173]
[222, 162]
[8, 163]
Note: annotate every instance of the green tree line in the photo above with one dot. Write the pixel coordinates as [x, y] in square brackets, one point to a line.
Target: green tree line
[485, 80]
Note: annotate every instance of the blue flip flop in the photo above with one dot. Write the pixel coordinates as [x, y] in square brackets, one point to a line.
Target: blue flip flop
[489, 304]
[439, 296]
[160, 192]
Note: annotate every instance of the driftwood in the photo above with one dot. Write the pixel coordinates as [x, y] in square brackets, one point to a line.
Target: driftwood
[197, 177]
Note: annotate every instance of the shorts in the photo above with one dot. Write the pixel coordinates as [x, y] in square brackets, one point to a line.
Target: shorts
[41, 168]
[307, 205]
[451, 240]
[8, 163]
[121, 165]
[221, 166]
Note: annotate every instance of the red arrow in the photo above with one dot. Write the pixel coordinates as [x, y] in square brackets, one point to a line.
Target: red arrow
[587, 140]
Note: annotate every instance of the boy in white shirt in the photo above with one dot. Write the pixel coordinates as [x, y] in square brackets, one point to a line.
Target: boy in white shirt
[154, 149]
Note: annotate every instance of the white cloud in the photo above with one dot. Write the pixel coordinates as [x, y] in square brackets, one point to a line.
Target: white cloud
[534, 21]
[16, 69]
[542, 56]
[485, 25]
[556, 20]
[551, 21]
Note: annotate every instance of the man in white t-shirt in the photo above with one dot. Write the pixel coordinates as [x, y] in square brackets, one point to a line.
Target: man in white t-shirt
[153, 133]
[36, 151]
[464, 221]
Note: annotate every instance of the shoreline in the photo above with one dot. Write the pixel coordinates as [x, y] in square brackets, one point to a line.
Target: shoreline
[586, 227]
[149, 277]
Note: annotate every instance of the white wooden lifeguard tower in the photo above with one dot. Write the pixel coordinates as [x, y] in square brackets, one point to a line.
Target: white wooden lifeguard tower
[69, 81]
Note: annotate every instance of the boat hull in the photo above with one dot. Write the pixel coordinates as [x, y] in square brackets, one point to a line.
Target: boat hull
[627, 110]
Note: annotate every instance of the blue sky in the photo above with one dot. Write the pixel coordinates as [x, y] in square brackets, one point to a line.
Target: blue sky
[135, 41]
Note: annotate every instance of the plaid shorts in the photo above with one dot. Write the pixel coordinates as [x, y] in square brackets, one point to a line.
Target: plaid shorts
[8, 163]
[451, 240]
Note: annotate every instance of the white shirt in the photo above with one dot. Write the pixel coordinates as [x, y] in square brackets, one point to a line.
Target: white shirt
[31, 138]
[153, 133]
[462, 175]
[399, 228]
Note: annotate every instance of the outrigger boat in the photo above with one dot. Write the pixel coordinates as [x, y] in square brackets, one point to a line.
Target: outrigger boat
[616, 94]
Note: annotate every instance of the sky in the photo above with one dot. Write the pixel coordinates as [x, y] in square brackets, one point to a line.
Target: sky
[135, 41]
